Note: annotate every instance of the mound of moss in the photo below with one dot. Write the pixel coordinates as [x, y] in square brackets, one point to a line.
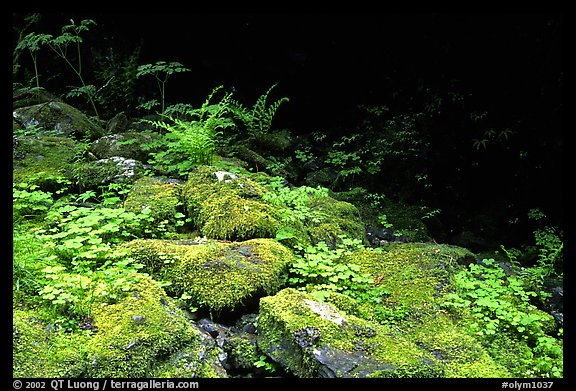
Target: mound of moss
[160, 197]
[131, 338]
[41, 161]
[215, 275]
[226, 206]
[313, 339]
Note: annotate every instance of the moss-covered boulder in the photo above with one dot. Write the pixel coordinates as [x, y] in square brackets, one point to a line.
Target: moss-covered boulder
[218, 276]
[58, 118]
[418, 277]
[41, 161]
[313, 339]
[139, 336]
[160, 196]
[126, 144]
[226, 206]
[93, 174]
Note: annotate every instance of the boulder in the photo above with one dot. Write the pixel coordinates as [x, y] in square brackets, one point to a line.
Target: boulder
[59, 119]
[314, 339]
[214, 275]
[144, 334]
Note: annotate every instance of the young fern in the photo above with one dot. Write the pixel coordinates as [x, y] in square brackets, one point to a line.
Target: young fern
[192, 137]
[259, 119]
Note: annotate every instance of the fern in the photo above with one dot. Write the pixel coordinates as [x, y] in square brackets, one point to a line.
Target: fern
[192, 137]
[258, 120]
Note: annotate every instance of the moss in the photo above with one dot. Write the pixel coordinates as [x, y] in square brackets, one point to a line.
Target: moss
[218, 276]
[40, 161]
[39, 352]
[162, 199]
[343, 303]
[242, 352]
[462, 355]
[334, 218]
[308, 337]
[134, 334]
[133, 339]
[92, 174]
[60, 117]
[234, 218]
[229, 208]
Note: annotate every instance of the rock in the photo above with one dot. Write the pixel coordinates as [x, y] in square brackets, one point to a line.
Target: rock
[166, 344]
[57, 118]
[116, 169]
[118, 124]
[312, 339]
[127, 145]
[225, 206]
[43, 161]
[218, 276]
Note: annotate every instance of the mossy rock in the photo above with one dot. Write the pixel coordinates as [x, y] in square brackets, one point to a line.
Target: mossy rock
[32, 96]
[226, 206]
[39, 352]
[126, 144]
[90, 175]
[134, 338]
[59, 118]
[415, 274]
[160, 197]
[217, 276]
[313, 339]
[41, 161]
[334, 218]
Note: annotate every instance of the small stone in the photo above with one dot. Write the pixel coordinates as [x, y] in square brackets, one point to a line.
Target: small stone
[138, 319]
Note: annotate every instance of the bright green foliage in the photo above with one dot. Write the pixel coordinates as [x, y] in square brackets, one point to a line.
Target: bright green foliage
[28, 200]
[497, 304]
[161, 70]
[189, 142]
[258, 120]
[309, 215]
[319, 271]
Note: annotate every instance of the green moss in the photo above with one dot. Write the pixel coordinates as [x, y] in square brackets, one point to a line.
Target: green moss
[242, 352]
[40, 161]
[134, 334]
[228, 208]
[299, 333]
[462, 355]
[218, 276]
[132, 338]
[334, 218]
[416, 274]
[232, 217]
[162, 199]
[39, 352]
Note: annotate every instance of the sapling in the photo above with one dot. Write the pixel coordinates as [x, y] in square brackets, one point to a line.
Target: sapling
[161, 70]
